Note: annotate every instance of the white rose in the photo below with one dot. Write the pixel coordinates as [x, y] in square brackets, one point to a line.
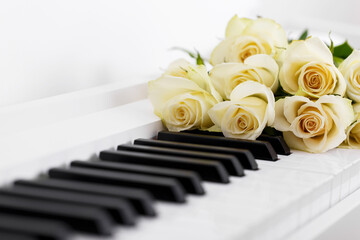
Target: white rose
[350, 68]
[308, 70]
[259, 68]
[197, 74]
[249, 111]
[246, 37]
[182, 97]
[313, 126]
[353, 131]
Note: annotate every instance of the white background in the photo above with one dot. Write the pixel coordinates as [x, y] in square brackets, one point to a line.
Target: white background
[49, 47]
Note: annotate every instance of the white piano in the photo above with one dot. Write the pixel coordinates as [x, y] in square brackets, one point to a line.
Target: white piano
[301, 196]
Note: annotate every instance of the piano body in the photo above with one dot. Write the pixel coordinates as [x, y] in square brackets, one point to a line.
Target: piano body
[300, 196]
[296, 197]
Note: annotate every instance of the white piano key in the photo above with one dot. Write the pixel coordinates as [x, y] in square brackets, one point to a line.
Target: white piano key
[337, 162]
[355, 177]
[262, 198]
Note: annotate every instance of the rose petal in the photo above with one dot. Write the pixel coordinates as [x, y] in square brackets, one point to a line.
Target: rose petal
[269, 64]
[292, 105]
[233, 49]
[341, 107]
[280, 123]
[294, 142]
[269, 30]
[356, 108]
[236, 26]
[330, 139]
[353, 58]
[298, 54]
[296, 126]
[254, 110]
[191, 113]
[217, 112]
[221, 75]
[166, 87]
[221, 51]
[199, 75]
[177, 68]
[350, 69]
[353, 135]
[251, 88]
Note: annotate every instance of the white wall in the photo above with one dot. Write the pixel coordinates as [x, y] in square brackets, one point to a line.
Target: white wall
[49, 47]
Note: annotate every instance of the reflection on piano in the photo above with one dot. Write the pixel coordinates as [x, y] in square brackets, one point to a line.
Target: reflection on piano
[176, 187]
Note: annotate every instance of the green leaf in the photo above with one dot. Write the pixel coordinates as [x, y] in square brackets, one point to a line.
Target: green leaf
[280, 92]
[343, 50]
[304, 35]
[199, 59]
[337, 61]
[196, 55]
[331, 47]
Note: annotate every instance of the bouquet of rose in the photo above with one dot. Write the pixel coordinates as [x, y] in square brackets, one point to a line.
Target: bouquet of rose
[305, 89]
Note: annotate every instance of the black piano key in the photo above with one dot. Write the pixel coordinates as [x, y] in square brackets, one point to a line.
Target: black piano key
[245, 157]
[22, 227]
[260, 149]
[197, 131]
[79, 218]
[141, 200]
[162, 188]
[230, 162]
[277, 142]
[190, 180]
[15, 236]
[119, 209]
[208, 170]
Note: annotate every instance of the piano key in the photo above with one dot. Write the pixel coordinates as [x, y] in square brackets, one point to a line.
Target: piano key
[162, 188]
[277, 142]
[190, 180]
[22, 227]
[15, 236]
[262, 198]
[142, 200]
[230, 162]
[80, 218]
[119, 209]
[208, 170]
[197, 131]
[245, 157]
[260, 149]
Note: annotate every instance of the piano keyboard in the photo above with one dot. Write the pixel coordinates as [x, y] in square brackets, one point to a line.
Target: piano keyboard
[92, 197]
[243, 197]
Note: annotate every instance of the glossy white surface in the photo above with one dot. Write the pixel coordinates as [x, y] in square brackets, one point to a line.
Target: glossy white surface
[340, 222]
[270, 203]
[38, 113]
[52, 47]
[32, 151]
